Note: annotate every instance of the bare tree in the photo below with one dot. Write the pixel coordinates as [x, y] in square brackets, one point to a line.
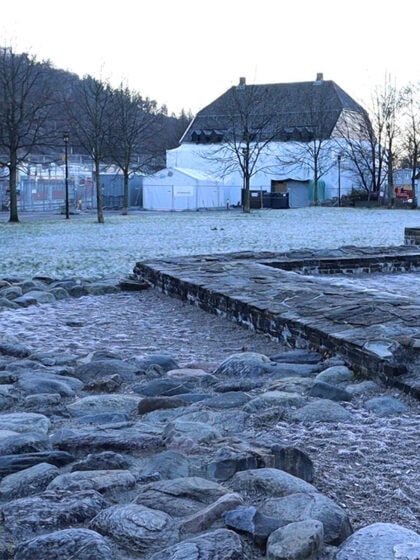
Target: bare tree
[411, 135]
[309, 148]
[363, 151]
[130, 140]
[244, 127]
[26, 102]
[369, 140]
[89, 112]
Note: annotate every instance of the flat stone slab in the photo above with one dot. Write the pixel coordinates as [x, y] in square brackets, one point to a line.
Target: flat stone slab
[292, 297]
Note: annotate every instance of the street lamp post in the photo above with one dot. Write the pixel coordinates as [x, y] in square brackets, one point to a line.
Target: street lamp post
[66, 142]
[339, 179]
[246, 196]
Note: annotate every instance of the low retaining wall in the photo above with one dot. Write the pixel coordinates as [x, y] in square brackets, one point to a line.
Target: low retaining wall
[377, 334]
[412, 236]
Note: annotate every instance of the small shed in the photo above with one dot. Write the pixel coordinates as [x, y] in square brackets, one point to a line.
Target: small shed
[183, 189]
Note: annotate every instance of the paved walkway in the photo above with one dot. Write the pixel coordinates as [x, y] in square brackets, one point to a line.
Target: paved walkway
[376, 330]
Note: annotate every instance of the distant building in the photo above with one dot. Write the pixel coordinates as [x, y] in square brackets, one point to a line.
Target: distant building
[284, 120]
[403, 184]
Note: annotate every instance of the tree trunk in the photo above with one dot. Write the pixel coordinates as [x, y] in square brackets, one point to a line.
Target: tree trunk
[13, 190]
[125, 194]
[316, 197]
[390, 173]
[246, 208]
[100, 210]
[413, 179]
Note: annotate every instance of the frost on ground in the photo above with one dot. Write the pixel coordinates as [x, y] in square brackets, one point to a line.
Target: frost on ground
[369, 467]
[57, 247]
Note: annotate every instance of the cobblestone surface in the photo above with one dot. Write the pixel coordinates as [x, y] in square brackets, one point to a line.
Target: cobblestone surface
[369, 468]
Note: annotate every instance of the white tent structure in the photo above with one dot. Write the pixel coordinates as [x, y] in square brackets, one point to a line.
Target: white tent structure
[185, 189]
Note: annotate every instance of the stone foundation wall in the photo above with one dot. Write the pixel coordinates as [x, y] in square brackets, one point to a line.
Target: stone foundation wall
[358, 265]
[375, 332]
[412, 236]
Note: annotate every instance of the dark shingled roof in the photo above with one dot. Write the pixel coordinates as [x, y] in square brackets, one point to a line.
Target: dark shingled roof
[284, 112]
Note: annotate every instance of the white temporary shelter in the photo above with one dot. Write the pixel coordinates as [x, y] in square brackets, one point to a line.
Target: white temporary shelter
[184, 189]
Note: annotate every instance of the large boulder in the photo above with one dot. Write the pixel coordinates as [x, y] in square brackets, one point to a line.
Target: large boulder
[50, 510]
[304, 506]
[28, 481]
[269, 482]
[381, 541]
[67, 544]
[137, 527]
[180, 496]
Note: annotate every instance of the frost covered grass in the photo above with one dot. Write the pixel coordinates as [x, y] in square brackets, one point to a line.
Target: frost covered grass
[60, 248]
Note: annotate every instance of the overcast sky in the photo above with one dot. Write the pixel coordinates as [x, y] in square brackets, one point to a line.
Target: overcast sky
[185, 53]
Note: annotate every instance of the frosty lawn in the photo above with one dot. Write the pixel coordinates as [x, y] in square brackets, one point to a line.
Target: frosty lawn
[79, 246]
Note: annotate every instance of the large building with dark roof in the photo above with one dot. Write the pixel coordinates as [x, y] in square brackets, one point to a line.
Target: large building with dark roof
[285, 112]
[279, 127]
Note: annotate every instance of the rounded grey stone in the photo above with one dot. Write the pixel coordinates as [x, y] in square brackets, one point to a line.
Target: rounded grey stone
[34, 384]
[168, 465]
[32, 299]
[304, 506]
[11, 292]
[386, 406]
[274, 398]
[247, 363]
[164, 361]
[100, 404]
[25, 422]
[27, 482]
[269, 482]
[107, 460]
[163, 388]
[363, 388]
[50, 510]
[137, 527]
[67, 544]
[297, 541]
[378, 542]
[59, 293]
[220, 544]
[24, 443]
[180, 496]
[322, 410]
[100, 480]
[99, 368]
[329, 391]
[335, 375]
[232, 399]
[179, 430]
